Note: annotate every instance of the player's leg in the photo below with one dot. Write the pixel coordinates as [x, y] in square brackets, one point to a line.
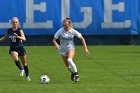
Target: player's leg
[14, 55]
[72, 65]
[25, 65]
[66, 63]
[65, 60]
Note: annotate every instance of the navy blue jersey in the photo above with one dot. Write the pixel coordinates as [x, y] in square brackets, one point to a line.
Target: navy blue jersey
[14, 42]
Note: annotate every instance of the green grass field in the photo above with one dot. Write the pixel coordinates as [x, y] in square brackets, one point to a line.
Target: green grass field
[108, 69]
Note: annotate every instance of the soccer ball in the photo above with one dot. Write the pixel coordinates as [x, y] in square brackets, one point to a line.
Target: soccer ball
[44, 79]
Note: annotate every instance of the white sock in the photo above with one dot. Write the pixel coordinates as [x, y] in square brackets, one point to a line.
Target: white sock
[72, 66]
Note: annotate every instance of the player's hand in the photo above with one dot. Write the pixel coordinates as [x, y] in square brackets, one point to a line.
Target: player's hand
[15, 34]
[86, 51]
[57, 47]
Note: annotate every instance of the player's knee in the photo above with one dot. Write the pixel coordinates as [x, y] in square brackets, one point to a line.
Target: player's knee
[15, 59]
[25, 64]
[69, 60]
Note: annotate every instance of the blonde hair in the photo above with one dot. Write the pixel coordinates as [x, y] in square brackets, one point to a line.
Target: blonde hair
[67, 20]
[17, 19]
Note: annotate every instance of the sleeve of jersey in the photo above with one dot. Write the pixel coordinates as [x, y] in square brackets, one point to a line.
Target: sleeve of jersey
[57, 34]
[77, 34]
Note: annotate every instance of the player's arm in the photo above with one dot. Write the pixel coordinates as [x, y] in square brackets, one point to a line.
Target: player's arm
[55, 43]
[22, 37]
[79, 35]
[4, 37]
[84, 44]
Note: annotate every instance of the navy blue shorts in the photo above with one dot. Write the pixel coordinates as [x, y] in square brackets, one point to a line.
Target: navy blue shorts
[20, 50]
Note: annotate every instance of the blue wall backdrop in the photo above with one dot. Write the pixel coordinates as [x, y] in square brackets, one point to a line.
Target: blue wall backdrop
[90, 17]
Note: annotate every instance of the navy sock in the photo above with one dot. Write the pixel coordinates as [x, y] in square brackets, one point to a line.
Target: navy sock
[18, 64]
[26, 70]
[76, 73]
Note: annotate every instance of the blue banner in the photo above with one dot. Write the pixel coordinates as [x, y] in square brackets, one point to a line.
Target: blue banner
[89, 17]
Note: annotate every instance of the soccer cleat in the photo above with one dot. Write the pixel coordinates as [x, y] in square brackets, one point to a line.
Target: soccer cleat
[21, 72]
[72, 76]
[28, 78]
[77, 78]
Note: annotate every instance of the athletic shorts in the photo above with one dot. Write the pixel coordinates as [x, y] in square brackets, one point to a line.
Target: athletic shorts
[63, 51]
[20, 50]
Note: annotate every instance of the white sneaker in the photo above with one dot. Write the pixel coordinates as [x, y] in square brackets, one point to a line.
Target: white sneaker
[77, 79]
[21, 73]
[28, 78]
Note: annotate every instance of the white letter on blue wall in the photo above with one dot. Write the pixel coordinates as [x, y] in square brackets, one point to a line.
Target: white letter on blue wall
[87, 11]
[5, 25]
[30, 8]
[108, 8]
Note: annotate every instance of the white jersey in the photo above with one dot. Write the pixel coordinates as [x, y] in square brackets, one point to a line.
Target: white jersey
[66, 39]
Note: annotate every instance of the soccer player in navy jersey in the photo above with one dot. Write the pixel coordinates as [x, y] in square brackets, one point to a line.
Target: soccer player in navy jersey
[67, 48]
[16, 37]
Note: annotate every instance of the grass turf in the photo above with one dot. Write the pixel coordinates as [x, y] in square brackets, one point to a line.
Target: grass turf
[108, 69]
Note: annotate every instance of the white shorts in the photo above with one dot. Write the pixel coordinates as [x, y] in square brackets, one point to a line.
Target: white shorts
[63, 51]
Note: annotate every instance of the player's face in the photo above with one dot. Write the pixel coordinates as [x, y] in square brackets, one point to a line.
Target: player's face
[66, 26]
[15, 23]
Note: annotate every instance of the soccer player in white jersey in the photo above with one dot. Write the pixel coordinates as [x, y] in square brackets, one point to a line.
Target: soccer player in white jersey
[67, 48]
